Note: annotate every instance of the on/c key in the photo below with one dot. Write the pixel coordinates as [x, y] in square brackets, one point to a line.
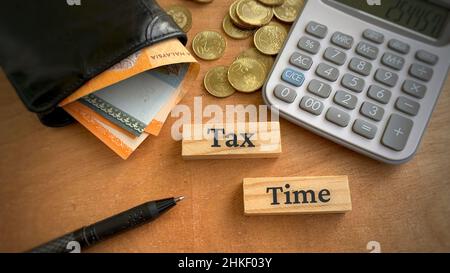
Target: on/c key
[296, 78]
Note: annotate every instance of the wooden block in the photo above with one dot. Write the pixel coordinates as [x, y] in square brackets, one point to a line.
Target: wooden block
[296, 195]
[231, 140]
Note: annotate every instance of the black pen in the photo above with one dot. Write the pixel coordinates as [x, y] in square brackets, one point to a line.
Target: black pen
[89, 235]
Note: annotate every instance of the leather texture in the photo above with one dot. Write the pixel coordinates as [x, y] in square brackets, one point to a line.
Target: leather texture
[49, 48]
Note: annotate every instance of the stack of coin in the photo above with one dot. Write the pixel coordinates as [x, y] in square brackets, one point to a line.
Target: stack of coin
[268, 21]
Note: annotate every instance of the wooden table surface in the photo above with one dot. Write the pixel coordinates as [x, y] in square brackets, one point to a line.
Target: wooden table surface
[53, 181]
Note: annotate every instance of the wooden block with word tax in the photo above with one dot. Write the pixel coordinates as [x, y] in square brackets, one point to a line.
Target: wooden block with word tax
[231, 140]
[296, 195]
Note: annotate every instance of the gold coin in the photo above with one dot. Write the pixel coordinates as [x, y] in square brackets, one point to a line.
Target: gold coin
[182, 16]
[254, 53]
[209, 45]
[269, 39]
[216, 82]
[284, 25]
[233, 31]
[246, 75]
[235, 18]
[289, 11]
[254, 13]
[272, 2]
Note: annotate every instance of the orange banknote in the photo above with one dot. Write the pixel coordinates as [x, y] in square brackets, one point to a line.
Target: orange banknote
[160, 54]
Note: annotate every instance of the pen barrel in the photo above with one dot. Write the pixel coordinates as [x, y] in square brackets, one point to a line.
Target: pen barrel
[99, 231]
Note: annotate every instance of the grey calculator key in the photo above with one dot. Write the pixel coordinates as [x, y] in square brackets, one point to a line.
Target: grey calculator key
[397, 132]
[386, 77]
[372, 111]
[301, 61]
[398, 46]
[360, 66]
[335, 56]
[311, 105]
[327, 72]
[414, 89]
[421, 72]
[296, 78]
[353, 83]
[426, 57]
[393, 61]
[309, 45]
[345, 100]
[284, 93]
[316, 29]
[407, 106]
[365, 129]
[367, 50]
[319, 88]
[373, 36]
[343, 40]
[379, 94]
[338, 117]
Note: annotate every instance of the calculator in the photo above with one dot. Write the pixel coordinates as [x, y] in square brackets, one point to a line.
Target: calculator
[364, 74]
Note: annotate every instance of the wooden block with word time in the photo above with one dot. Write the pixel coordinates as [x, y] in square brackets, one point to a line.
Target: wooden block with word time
[231, 140]
[296, 195]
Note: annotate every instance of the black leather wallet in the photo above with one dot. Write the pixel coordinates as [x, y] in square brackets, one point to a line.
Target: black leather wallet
[50, 48]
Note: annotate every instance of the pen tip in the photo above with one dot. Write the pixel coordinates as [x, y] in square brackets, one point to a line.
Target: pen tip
[179, 198]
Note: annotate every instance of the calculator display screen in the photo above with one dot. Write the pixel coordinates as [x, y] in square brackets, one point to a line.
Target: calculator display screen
[418, 15]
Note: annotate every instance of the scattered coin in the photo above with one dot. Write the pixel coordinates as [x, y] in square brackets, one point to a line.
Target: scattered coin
[235, 18]
[246, 75]
[182, 16]
[233, 31]
[209, 45]
[254, 13]
[289, 10]
[216, 82]
[254, 53]
[269, 39]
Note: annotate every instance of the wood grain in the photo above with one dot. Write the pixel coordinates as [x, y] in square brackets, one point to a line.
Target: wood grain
[296, 195]
[231, 140]
[53, 181]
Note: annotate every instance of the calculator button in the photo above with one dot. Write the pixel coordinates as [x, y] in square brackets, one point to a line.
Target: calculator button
[421, 72]
[353, 83]
[414, 89]
[327, 72]
[317, 30]
[393, 61]
[319, 88]
[379, 94]
[426, 57]
[373, 36]
[309, 45]
[343, 40]
[335, 56]
[293, 77]
[360, 66]
[398, 46]
[367, 50]
[338, 117]
[386, 77]
[397, 132]
[284, 93]
[301, 61]
[372, 111]
[311, 105]
[407, 106]
[364, 129]
[345, 100]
